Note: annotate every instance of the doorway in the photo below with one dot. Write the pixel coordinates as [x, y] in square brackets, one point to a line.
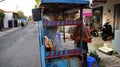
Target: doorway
[117, 17]
[15, 23]
[10, 25]
[97, 17]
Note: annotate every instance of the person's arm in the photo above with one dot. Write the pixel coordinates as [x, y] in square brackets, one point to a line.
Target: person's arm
[86, 35]
[83, 39]
[89, 40]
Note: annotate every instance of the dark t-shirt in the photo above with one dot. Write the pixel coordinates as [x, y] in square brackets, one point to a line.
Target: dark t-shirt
[84, 45]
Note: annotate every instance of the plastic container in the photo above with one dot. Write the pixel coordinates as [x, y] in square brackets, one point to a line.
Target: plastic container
[91, 61]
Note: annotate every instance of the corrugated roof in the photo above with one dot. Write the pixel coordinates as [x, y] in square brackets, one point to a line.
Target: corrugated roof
[67, 1]
[60, 5]
[2, 10]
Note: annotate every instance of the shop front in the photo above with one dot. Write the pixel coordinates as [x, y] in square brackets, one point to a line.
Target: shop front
[97, 17]
[109, 10]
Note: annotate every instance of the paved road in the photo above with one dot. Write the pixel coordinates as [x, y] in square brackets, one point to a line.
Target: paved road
[20, 48]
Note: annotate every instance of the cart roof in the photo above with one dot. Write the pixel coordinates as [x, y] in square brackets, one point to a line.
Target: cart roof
[66, 1]
[63, 5]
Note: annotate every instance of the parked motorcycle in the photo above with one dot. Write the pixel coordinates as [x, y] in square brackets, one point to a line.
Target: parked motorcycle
[94, 32]
[107, 33]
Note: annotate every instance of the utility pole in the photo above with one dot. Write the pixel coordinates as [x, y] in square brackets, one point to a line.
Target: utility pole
[16, 8]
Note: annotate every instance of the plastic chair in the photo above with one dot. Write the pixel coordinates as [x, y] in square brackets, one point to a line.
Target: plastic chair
[91, 61]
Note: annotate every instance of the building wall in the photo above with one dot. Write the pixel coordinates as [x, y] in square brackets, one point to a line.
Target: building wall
[109, 6]
[8, 16]
[110, 15]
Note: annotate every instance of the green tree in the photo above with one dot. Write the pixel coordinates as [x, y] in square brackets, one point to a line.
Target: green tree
[21, 14]
[15, 16]
[37, 3]
[2, 15]
[30, 18]
[70, 30]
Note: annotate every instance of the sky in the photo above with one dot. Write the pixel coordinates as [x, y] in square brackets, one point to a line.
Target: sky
[15, 5]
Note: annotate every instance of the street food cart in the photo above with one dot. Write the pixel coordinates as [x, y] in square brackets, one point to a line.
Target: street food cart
[59, 58]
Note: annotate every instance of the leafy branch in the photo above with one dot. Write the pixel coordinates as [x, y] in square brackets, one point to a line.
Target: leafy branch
[37, 3]
[2, 15]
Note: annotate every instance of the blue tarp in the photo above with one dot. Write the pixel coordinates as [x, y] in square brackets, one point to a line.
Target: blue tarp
[66, 1]
[23, 19]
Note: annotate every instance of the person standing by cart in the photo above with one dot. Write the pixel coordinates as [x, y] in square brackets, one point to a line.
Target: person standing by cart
[86, 38]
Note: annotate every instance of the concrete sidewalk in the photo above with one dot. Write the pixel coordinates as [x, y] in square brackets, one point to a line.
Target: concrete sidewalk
[2, 33]
[107, 60]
